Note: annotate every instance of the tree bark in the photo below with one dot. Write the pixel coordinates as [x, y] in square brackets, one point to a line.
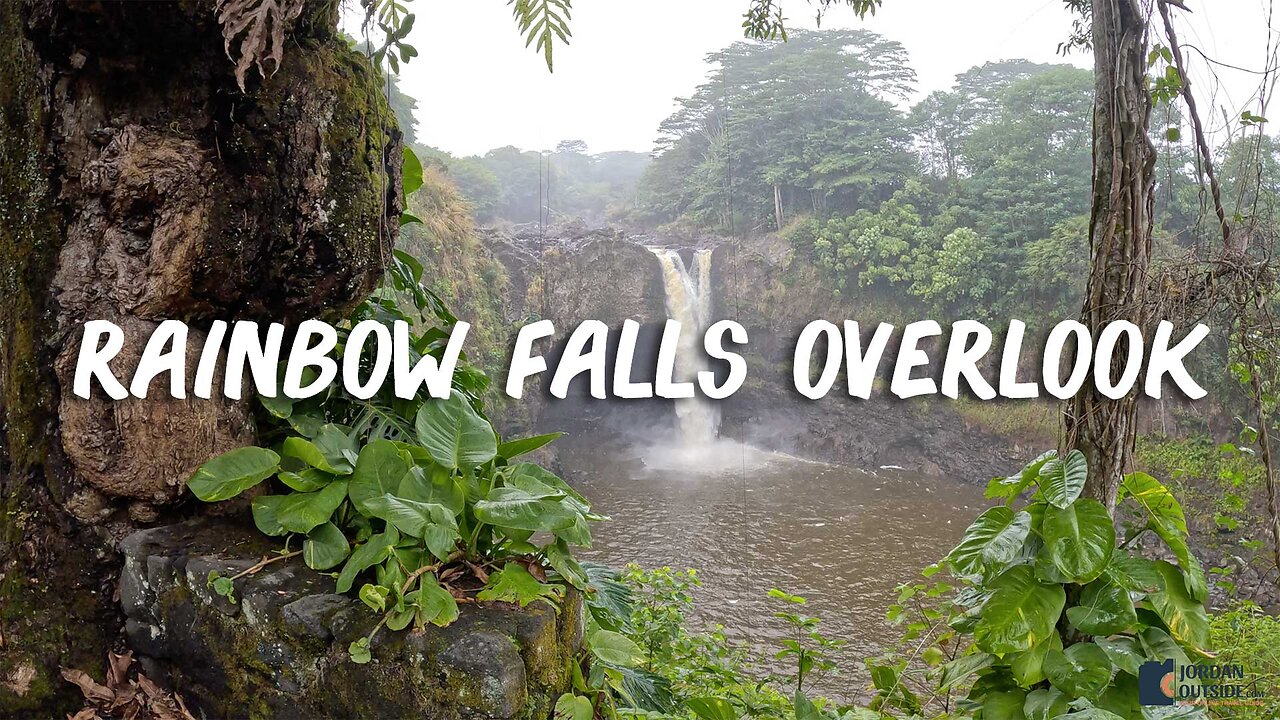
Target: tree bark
[1119, 234]
[138, 183]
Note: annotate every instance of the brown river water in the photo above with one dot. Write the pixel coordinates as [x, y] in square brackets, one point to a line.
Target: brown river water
[749, 521]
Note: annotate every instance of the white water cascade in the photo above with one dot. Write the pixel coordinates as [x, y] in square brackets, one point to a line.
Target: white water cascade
[688, 300]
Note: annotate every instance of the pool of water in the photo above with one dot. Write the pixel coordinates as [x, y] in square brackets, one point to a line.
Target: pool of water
[749, 521]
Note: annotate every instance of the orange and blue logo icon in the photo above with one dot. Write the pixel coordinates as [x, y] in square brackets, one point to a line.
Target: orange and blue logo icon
[1157, 684]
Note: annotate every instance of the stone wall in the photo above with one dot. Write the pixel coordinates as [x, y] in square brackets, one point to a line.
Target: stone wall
[280, 649]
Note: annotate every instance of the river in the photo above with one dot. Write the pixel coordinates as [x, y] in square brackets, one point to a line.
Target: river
[749, 521]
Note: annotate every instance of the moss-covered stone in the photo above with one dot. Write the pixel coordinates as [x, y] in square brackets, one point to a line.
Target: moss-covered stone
[280, 650]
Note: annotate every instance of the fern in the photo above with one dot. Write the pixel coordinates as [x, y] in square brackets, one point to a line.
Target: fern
[543, 21]
[259, 26]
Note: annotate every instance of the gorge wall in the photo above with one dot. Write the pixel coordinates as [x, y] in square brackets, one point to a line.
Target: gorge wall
[571, 274]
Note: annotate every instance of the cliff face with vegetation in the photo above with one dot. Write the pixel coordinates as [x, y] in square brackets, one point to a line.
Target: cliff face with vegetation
[502, 279]
[140, 183]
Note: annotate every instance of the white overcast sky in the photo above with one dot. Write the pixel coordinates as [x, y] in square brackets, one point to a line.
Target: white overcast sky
[478, 87]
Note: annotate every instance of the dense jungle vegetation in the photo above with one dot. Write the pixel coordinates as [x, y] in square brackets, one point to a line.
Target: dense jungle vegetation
[972, 203]
[981, 201]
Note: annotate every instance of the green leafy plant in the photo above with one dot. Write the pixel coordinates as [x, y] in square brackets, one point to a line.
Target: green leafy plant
[542, 22]
[612, 674]
[1061, 615]
[417, 497]
[809, 650]
[396, 22]
[908, 679]
[1245, 635]
[703, 673]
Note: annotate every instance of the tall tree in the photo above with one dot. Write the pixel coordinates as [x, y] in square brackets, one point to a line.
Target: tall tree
[144, 177]
[806, 125]
[1120, 228]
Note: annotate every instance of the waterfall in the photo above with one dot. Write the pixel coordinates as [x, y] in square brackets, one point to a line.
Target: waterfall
[688, 300]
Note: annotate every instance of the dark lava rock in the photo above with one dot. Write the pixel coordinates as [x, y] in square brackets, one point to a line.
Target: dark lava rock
[279, 650]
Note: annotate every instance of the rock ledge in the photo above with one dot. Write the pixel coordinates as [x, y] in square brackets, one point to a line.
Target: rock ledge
[280, 650]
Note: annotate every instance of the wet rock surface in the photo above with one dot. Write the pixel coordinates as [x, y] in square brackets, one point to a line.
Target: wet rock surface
[280, 650]
[570, 273]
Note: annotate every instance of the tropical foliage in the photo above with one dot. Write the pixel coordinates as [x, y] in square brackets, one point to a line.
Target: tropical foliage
[419, 497]
[1049, 612]
[1056, 611]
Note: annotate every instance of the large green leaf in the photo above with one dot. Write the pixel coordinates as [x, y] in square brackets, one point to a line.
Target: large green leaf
[233, 472]
[574, 707]
[1156, 499]
[1104, 609]
[1134, 573]
[1045, 704]
[1079, 539]
[435, 484]
[1167, 520]
[337, 446]
[804, 707]
[561, 559]
[1082, 670]
[325, 547]
[1009, 488]
[1182, 614]
[991, 542]
[611, 602]
[645, 690]
[334, 461]
[711, 708]
[1005, 704]
[539, 480]
[578, 533]
[264, 515]
[963, 667]
[1124, 651]
[1028, 666]
[379, 469]
[1062, 479]
[303, 512]
[515, 448]
[435, 605]
[615, 649]
[410, 172]
[1122, 697]
[508, 507]
[435, 524]
[373, 551]
[454, 433]
[1021, 612]
[514, 584]
[306, 480]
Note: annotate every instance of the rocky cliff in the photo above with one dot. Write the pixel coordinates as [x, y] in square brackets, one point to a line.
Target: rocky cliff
[571, 274]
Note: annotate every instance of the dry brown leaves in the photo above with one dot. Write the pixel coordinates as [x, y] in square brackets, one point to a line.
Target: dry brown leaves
[123, 698]
[259, 26]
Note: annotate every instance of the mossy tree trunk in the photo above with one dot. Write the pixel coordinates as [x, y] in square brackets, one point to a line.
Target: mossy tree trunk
[1119, 233]
[138, 183]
